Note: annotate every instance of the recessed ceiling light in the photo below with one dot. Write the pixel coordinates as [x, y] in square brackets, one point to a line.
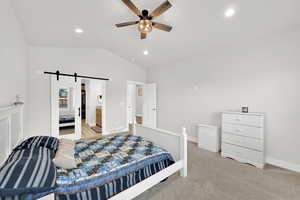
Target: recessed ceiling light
[146, 52]
[78, 30]
[230, 12]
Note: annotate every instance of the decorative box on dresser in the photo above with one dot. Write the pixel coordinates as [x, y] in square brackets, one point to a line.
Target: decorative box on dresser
[243, 137]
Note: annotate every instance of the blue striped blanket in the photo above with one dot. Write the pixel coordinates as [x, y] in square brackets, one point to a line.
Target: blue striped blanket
[29, 170]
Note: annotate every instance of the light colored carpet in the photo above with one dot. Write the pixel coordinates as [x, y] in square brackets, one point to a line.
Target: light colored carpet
[211, 177]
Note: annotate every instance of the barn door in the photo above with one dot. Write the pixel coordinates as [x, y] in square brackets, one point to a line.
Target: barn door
[66, 107]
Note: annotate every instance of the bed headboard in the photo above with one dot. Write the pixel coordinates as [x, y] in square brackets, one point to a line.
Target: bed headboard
[11, 129]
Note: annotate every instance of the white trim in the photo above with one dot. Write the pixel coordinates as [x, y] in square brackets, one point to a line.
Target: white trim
[283, 164]
[192, 139]
[135, 83]
[103, 112]
[91, 124]
[183, 153]
[6, 114]
[116, 130]
[6, 108]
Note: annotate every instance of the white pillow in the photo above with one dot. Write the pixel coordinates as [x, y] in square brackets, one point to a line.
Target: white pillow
[64, 157]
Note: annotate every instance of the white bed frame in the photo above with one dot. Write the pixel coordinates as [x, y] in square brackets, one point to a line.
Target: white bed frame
[11, 129]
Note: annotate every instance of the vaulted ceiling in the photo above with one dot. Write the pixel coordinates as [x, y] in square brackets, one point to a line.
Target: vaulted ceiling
[199, 25]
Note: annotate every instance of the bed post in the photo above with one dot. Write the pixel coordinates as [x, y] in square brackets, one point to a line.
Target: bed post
[21, 136]
[134, 129]
[183, 152]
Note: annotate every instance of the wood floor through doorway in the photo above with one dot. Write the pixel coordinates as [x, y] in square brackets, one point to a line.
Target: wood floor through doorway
[87, 132]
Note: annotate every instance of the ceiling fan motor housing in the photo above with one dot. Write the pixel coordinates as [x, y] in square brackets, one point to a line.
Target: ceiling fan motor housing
[145, 13]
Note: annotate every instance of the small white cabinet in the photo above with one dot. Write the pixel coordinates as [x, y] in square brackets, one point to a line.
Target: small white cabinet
[243, 137]
[209, 137]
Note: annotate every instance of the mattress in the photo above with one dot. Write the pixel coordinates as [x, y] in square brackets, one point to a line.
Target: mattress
[108, 166]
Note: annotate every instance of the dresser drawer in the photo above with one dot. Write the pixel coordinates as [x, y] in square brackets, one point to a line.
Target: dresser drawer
[243, 155]
[248, 131]
[251, 143]
[243, 119]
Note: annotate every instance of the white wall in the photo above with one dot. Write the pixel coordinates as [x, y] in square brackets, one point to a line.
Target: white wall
[264, 75]
[90, 62]
[13, 57]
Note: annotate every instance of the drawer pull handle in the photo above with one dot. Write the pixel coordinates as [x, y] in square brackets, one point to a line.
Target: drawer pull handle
[238, 130]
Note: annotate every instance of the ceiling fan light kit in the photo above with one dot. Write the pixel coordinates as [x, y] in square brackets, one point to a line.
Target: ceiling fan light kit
[145, 24]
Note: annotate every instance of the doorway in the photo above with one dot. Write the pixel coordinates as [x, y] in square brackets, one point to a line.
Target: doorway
[77, 108]
[95, 109]
[141, 104]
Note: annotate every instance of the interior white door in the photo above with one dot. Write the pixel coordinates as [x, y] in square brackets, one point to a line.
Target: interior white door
[149, 105]
[131, 93]
[66, 107]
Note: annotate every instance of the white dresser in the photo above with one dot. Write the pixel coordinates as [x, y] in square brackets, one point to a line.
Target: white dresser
[243, 137]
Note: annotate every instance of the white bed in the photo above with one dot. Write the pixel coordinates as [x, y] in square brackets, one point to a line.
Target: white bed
[11, 126]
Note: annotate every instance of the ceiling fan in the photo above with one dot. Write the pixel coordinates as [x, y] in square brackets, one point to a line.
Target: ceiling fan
[145, 24]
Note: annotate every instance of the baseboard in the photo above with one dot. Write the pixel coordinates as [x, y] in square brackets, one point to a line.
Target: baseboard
[283, 164]
[192, 139]
[116, 130]
[92, 124]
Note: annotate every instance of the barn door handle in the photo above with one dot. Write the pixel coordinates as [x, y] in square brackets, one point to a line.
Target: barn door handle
[79, 112]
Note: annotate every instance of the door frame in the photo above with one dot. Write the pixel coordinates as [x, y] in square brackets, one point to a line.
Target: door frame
[104, 105]
[135, 83]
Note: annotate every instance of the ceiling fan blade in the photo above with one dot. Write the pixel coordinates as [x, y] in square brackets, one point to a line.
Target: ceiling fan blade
[132, 7]
[161, 9]
[162, 27]
[126, 24]
[143, 36]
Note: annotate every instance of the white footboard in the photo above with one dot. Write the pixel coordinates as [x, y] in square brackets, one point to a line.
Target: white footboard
[175, 143]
